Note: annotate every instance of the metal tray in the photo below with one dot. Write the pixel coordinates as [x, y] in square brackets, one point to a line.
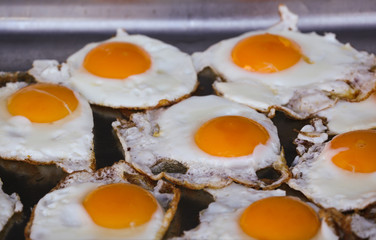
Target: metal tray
[43, 29]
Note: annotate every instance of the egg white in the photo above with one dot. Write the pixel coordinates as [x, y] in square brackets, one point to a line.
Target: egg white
[9, 204]
[363, 227]
[334, 70]
[221, 219]
[67, 142]
[61, 215]
[318, 178]
[349, 116]
[170, 78]
[168, 134]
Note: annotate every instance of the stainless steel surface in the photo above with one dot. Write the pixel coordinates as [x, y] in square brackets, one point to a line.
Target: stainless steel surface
[56, 28]
[179, 16]
[43, 29]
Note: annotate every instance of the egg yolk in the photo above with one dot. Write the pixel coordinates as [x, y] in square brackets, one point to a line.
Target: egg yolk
[42, 103]
[357, 151]
[117, 60]
[280, 218]
[120, 205]
[230, 136]
[266, 53]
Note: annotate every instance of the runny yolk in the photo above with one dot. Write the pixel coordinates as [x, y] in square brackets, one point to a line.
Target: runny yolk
[117, 60]
[358, 151]
[266, 53]
[280, 218]
[42, 103]
[120, 205]
[230, 136]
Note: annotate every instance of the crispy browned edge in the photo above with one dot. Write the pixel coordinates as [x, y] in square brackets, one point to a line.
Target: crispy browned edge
[161, 103]
[27, 231]
[29, 161]
[339, 222]
[6, 77]
[169, 214]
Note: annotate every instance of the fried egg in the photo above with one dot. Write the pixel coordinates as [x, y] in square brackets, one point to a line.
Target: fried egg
[349, 116]
[9, 204]
[282, 68]
[203, 141]
[125, 71]
[112, 203]
[239, 212]
[340, 173]
[46, 124]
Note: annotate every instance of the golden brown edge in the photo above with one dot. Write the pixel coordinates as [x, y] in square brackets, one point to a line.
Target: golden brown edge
[92, 160]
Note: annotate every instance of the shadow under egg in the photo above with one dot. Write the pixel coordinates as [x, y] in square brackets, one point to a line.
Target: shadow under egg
[188, 212]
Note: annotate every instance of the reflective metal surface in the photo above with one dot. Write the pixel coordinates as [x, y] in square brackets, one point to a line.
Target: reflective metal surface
[181, 16]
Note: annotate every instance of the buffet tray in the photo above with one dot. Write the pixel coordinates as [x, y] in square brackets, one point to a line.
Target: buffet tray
[43, 29]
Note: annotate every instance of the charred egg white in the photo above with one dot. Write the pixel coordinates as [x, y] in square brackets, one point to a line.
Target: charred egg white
[239, 212]
[46, 123]
[126, 71]
[105, 205]
[203, 141]
[282, 68]
[340, 173]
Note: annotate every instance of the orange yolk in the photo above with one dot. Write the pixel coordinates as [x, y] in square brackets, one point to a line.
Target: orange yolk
[266, 53]
[117, 60]
[280, 218]
[42, 103]
[120, 205]
[230, 136]
[359, 151]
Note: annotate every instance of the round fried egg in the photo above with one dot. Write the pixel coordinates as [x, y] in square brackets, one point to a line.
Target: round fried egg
[9, 204]
[348, 116]
[340, 173]
[44, 124]
[112, 203]
[239, 212]
[282, 68]
[203, 141]
[125, 71]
